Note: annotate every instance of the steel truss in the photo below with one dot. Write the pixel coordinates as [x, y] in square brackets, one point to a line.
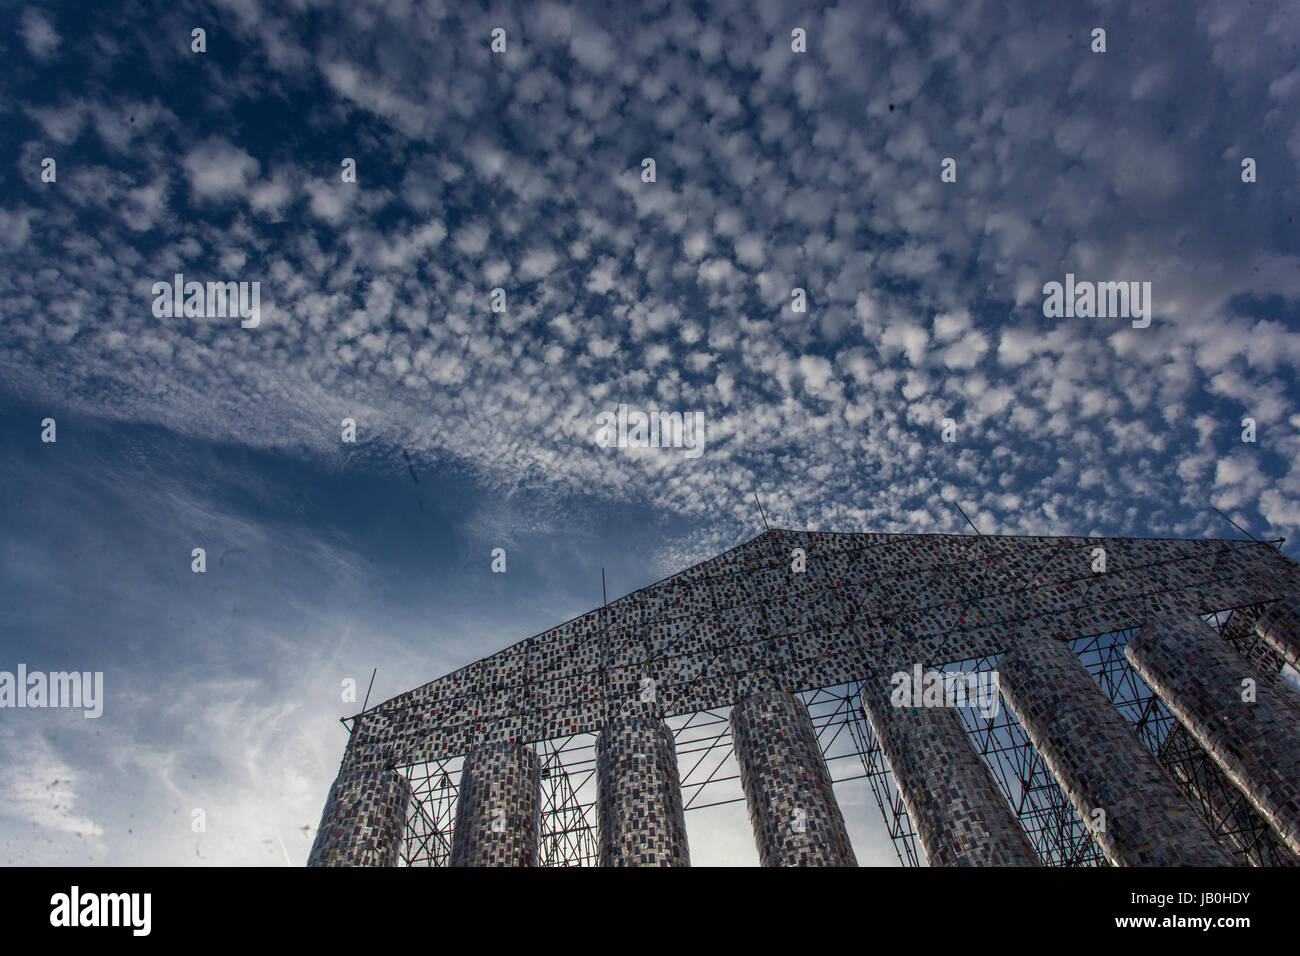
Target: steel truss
[431, 814]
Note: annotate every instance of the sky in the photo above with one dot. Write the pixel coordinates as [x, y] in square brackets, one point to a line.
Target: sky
[523, 171]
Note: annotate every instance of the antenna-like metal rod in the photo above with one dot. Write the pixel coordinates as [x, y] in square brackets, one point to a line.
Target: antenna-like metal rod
[968, 521]
[372, 684]
[1234, 524]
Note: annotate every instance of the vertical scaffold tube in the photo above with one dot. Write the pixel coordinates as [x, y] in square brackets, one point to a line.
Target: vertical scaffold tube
[952, 800]
[1248, 723]
[498, 816]
[787, 787]
[639, 795]
[1279, 626]
[1136, 814]
[364, 819]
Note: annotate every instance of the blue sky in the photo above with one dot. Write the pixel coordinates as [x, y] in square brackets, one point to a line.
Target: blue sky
[775, 171]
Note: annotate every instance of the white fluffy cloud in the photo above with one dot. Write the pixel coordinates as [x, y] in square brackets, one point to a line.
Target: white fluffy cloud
[39, 36]
[217, 169]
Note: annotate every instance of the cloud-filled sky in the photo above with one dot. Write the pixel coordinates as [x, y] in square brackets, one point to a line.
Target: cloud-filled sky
[522, 171]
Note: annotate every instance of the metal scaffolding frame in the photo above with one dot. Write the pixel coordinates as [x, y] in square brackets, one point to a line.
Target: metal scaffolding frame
[1226, 808]
[710, 777]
